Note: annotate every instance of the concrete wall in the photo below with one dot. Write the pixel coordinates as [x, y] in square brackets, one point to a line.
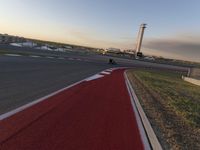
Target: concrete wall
[194, 73]
[191, 80]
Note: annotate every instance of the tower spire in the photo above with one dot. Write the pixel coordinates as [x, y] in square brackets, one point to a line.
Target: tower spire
[139, 40]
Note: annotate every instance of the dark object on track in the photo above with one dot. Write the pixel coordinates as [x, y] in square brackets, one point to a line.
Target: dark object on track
[111, 61]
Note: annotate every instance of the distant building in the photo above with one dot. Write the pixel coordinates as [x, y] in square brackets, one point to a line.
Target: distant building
[129, 51]
[150, 58]
[113, 50]
[101, 51]
[68, 47]
[6, 39]
[1, 38]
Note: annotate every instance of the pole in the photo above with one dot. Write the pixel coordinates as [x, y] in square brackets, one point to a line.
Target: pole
[140, 37]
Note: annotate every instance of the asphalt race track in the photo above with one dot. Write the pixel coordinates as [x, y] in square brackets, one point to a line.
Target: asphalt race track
[94, 114]
[85, 116]
[23, 79]
[26, 78]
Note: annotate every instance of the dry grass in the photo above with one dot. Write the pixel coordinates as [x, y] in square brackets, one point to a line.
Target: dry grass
[182, 96]
[172, 106]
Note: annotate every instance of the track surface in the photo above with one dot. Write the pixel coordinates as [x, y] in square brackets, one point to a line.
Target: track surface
[24, 79]
[94, 115]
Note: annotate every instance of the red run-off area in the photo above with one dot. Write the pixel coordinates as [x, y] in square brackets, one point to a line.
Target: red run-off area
[93, 115]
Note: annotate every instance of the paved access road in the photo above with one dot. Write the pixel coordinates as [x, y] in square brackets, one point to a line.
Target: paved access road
[86, 117]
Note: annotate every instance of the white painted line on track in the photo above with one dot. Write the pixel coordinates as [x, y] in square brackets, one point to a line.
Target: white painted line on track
[142, 120]
[112, 69]
[19, 109]
[96, 76]
[139, 122]
[34, 56]
[13, 55]
[12, 112]
[109, 70]
[104, 72]
[49, 57]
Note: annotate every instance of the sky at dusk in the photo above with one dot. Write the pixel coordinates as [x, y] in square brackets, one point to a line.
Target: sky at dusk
[173, 28]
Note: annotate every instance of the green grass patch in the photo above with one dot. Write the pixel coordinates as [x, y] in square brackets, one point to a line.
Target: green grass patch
[184, 97]
[2, 52]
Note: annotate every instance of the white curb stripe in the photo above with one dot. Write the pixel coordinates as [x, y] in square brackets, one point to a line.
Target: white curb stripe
[34, 56]
[49, 57]
[104, 72]
[19, 109]
[141, 118]
[109, 69]
[12, 112]
[94, 77]
[13, 55]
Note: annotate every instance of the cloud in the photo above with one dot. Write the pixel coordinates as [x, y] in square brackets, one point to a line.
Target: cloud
[182, 46]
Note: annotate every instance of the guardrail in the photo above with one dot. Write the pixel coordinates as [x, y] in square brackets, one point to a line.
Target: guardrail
[191, 80]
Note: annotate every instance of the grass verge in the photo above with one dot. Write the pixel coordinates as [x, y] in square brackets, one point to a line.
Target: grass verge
[3, 52]
[172, 106]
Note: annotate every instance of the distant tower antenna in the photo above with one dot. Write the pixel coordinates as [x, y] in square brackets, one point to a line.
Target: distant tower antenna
[139, 40]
